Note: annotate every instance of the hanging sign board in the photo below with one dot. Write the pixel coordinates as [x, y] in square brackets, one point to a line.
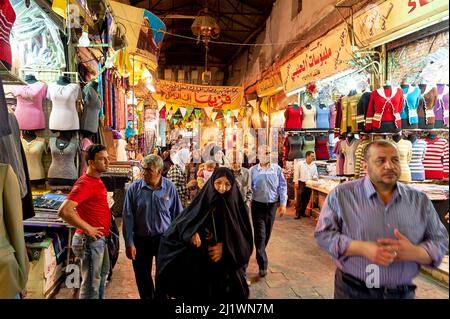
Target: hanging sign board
[322, 58]
[269, 86]
[144, 32]
[388, 20]
[199, 96]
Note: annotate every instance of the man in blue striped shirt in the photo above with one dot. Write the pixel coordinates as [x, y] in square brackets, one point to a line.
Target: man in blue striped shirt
[269, 187]
[379, 231]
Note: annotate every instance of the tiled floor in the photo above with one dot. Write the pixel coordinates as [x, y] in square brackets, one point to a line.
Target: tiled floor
[298, 269]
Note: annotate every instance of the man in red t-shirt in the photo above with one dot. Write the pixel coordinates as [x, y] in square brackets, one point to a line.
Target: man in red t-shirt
[86, 208]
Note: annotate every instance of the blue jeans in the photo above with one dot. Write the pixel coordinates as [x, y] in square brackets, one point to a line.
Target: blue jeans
[94, 265]
[346, 289]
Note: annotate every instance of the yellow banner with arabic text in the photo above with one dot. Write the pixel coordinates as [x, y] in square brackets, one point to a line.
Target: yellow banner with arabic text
[199, 96]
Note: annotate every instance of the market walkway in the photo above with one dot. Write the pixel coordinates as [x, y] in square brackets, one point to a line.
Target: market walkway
[298, 268]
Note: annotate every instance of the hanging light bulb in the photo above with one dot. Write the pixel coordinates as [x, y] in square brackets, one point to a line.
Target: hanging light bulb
[84, 39]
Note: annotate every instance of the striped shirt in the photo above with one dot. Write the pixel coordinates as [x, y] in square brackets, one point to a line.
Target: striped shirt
[416, 164]
[359, 169]
[177, 176]
[436, 159]
[354, 211]
[405, 153]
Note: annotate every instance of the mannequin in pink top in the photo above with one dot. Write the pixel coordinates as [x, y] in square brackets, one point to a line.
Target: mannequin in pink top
[29, 112]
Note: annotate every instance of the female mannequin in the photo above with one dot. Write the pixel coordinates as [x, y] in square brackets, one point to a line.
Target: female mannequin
[295, 147]
[309, 117]
[92, 106]
[62, 171]
[426, 104]
[65, 97]
[411, 98]
[293, 116]
[418, 155]
[34, 147]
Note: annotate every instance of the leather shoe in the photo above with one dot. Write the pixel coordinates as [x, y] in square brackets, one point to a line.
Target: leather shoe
[262, 272]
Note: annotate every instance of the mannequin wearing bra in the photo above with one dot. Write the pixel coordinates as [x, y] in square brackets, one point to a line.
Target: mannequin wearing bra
[34, 147]
[62, 171]
[426, 104]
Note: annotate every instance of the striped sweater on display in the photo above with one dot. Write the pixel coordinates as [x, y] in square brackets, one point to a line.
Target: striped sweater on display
[436, 159]
[418, 155]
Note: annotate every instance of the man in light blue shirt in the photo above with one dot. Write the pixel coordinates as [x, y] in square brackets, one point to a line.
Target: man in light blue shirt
[379, 231]
[151, 204]
[269, 187]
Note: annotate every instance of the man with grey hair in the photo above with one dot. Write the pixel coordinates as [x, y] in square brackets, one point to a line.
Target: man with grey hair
[151, 204]
[380, 231]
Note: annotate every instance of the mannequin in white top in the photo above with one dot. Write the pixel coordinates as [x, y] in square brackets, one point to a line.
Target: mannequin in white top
[65, 97]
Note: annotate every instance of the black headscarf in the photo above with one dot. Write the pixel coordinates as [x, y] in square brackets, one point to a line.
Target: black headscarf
[179, 263]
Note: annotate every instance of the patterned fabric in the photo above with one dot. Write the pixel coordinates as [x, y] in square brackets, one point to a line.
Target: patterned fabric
[418, 155]
[385, 105]
[405, 152]
[7, 18]
[359, 168]
[178, 177]
[436, 159]
[349, 113]
[348, 149]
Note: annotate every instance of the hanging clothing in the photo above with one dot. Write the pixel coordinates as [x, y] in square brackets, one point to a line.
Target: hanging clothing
[349, 113]
[293, 115]
[64, 115]
[309, 144]
[295, 144]
[13, 251]
[361, 110]
[323, 114]
[340, 158]
[441, 106]
[338, 119]
[425, 111]
[349, 149]
[29, 112]
[418, 155]
[322, 148]
[385, 105]
[63, 160]
[33, 153]
[331, 143]
[5, 129]
[411, 98]
[436, 159]
[309, 117]
[121, 150]
[184, 271]
[85, 143]
[91, 111]
[405, 153]
[7, 18]
[332, 115]
[359, 169]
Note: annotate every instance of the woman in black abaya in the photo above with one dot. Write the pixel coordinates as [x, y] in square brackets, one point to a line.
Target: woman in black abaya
[203, 253]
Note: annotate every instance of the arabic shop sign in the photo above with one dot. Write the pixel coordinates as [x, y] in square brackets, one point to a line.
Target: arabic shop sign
[199, 96]
[322, 58]
[380, 21]
[269, 86]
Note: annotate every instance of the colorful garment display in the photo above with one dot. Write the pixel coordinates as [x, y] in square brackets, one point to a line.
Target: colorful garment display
[340, 158]
[332, 115]
[436, 159]
[361, 110]
[29, 112]
[418, 155]
[359, 168]
[294, 116]
[405, 153]
[441, 106]
[425, 111]
[348, 149]
[323, 116]
[91, 111]
[309, 144]
[309, 117]
[349, 113]
[385, 105]
[295, 145]
[322, 148]
[7, 18]
[338, 118]
[64, 116]
[411, 98]
[33, 152]
[63, 159]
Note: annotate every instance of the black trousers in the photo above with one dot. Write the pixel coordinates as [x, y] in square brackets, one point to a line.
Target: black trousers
[263, 217]
[146, 249]
[303, 196]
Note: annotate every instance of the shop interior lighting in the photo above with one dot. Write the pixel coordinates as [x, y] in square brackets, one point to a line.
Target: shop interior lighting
[84, 39]
[297, 91]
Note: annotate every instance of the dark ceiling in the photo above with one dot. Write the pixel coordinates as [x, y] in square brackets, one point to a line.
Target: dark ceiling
[240, 22]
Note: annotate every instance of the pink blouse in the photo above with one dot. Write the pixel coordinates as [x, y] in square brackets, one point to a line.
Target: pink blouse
[29, 112]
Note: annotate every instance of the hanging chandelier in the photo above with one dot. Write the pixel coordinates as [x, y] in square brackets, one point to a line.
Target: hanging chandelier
[205, 27]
